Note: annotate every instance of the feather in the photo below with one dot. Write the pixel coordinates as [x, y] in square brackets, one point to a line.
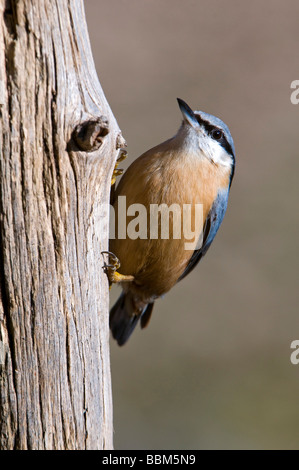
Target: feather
[211, 226]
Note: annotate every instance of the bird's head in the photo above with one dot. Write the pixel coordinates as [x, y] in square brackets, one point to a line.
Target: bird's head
[206, 135]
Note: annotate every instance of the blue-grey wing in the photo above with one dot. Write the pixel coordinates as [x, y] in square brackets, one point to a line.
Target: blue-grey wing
[211, 226]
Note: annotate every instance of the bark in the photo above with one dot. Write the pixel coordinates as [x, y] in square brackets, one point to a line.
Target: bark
[58, 145]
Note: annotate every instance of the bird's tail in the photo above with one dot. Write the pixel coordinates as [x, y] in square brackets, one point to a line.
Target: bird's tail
[124, 317]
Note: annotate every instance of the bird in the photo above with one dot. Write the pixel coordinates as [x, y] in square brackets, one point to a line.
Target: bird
[195, 167]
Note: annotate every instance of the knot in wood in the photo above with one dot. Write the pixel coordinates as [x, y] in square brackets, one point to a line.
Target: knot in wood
[89, 135]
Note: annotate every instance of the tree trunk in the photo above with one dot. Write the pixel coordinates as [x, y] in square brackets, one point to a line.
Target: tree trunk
[58, 145]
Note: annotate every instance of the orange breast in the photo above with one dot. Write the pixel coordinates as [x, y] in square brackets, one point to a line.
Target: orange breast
[164, 178]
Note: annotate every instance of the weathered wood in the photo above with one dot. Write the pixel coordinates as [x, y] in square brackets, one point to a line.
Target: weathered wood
[58, 144]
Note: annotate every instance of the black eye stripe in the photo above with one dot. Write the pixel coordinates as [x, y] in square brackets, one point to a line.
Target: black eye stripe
[209, 128]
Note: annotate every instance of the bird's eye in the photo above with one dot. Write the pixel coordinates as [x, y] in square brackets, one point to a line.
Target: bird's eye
[217, 134]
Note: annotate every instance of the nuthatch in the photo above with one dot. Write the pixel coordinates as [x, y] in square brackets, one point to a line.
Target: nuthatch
[196, 166]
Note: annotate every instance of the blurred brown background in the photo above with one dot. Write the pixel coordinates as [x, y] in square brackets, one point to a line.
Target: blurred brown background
[213, 369]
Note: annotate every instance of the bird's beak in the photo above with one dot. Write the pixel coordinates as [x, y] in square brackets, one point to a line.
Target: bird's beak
[188, 114]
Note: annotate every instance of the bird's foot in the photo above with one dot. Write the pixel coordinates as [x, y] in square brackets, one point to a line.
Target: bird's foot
[111, 270]
[118, 171]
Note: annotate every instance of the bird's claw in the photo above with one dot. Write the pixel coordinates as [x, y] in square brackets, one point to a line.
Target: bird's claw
[111, 270]
[118, 171]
